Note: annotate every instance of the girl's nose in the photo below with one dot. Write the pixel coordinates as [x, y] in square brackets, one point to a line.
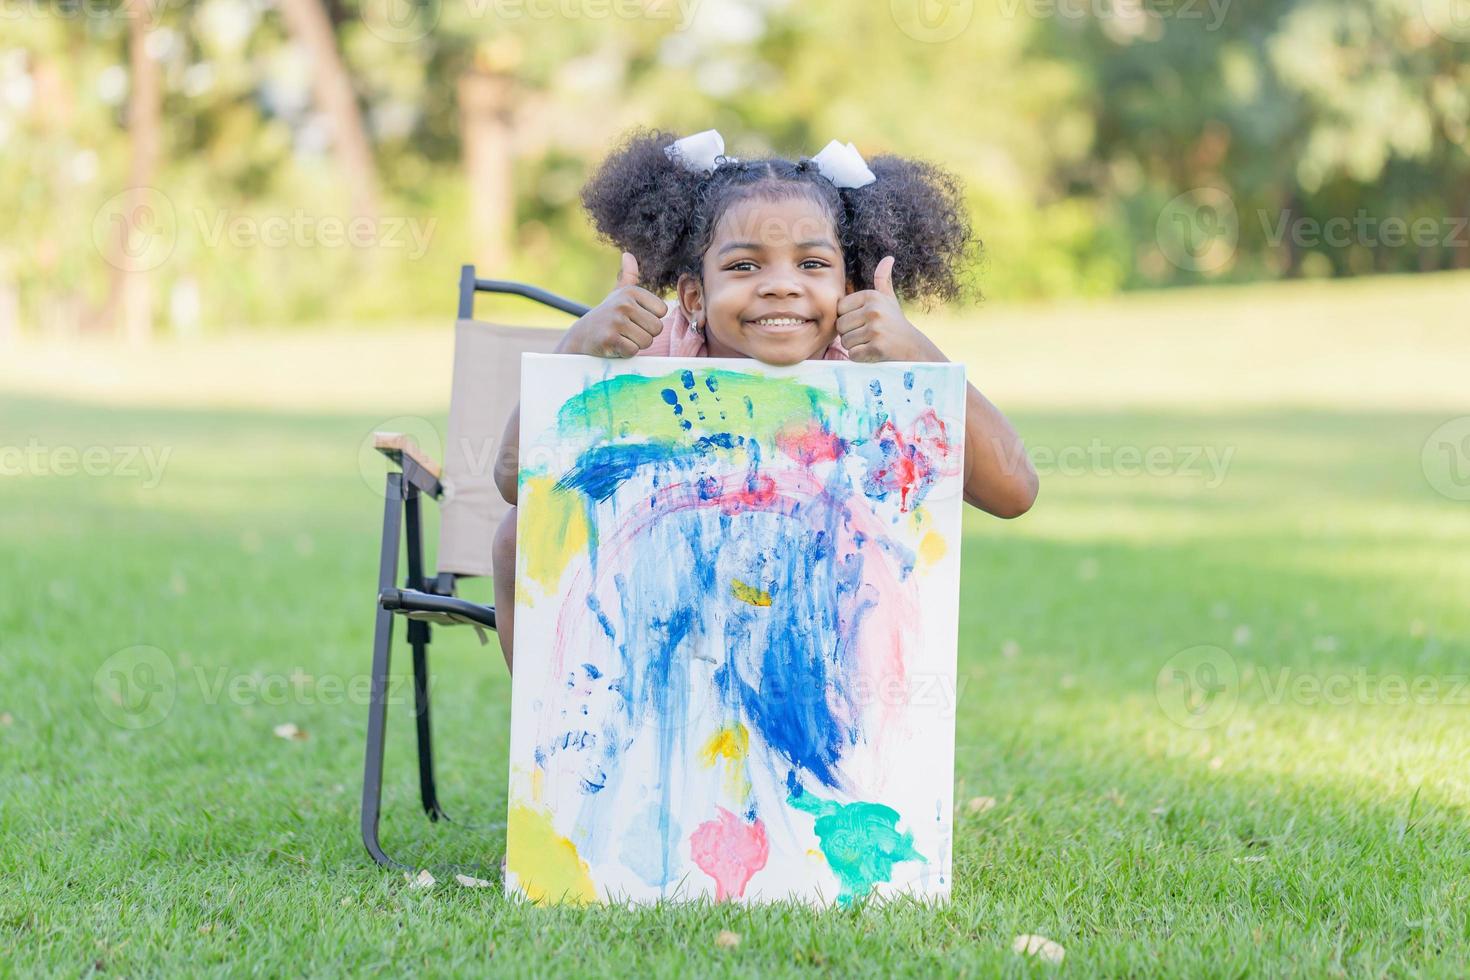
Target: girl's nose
[780, 283]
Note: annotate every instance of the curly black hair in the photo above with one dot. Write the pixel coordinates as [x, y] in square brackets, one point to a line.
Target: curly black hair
[647, 204]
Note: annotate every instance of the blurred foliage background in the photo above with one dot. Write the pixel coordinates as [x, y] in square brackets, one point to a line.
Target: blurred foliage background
[171, 167]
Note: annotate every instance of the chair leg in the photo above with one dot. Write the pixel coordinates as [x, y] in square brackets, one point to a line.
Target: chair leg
[372, 777]
[418, 638]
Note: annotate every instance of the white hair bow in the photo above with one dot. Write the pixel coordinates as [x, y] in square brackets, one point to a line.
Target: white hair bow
[840, 163]
[843, 165]
[698, 152]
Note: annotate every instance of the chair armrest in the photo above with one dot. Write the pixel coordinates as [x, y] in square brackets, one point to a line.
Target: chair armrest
[418, 466]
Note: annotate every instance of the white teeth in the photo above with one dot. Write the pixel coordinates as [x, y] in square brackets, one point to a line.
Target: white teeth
[782, 322]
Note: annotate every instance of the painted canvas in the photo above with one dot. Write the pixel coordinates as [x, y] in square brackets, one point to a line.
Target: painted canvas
[735, 630]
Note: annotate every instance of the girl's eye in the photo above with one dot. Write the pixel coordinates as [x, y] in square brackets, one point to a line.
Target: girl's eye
[815, 263]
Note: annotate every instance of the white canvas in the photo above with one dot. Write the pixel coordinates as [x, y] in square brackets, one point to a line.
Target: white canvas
[735, 630]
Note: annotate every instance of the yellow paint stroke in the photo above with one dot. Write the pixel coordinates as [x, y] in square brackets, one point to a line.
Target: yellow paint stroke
[932, 547]
[546, 863]
[750, 594]
[551, 530]
[538, 784]
[727, 743]
[730, 744]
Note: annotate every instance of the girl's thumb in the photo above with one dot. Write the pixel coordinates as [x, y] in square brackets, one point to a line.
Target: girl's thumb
[883, 276]
[628, 274]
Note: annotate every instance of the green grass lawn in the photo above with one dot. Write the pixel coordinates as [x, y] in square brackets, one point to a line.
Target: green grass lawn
[1311, 820]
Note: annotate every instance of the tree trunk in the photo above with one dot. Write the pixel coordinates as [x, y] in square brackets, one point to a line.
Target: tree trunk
[310, 27]
[485, 108]
[128, 310]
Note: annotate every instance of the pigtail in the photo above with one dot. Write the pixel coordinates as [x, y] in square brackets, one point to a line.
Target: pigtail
[642, 202]
[916, 212]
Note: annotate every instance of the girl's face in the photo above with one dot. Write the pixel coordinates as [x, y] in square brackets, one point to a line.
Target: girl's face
[772, 277]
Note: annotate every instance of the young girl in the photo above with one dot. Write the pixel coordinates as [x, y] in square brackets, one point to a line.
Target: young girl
[767, 258]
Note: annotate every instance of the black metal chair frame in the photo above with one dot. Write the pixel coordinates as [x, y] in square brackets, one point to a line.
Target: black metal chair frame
[421, 593]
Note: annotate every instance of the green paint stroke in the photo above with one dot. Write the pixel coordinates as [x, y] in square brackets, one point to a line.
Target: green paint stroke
[751, 404]
[861, 842]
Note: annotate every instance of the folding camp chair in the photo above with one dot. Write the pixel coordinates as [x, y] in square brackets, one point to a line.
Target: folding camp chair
[485, 388]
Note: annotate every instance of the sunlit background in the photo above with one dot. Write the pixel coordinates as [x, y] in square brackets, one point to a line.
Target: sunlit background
[1213, 688]
[172, 169]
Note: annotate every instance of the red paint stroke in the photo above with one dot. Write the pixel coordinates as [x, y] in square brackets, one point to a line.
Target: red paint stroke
[730, 851]
[909, 458]
[756, 493]
[811, 443]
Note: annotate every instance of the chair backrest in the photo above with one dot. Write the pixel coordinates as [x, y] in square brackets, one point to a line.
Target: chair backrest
[486, 387]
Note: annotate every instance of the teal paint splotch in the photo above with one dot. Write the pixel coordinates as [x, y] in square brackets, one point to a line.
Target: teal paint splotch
[861, 841]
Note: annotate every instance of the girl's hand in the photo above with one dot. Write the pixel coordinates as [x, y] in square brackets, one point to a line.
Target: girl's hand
[621, 325]
[873, 327]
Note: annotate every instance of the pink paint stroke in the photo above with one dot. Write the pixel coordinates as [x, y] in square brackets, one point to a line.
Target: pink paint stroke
[730, 851]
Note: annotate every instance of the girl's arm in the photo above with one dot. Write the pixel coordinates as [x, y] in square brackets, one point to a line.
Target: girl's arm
[999, 477]
[620, 326]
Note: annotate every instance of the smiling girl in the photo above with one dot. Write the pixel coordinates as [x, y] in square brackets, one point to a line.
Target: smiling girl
[781, 262]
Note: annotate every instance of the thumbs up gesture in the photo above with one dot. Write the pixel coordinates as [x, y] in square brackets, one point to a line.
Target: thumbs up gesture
[622, 324]
[872, 325]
